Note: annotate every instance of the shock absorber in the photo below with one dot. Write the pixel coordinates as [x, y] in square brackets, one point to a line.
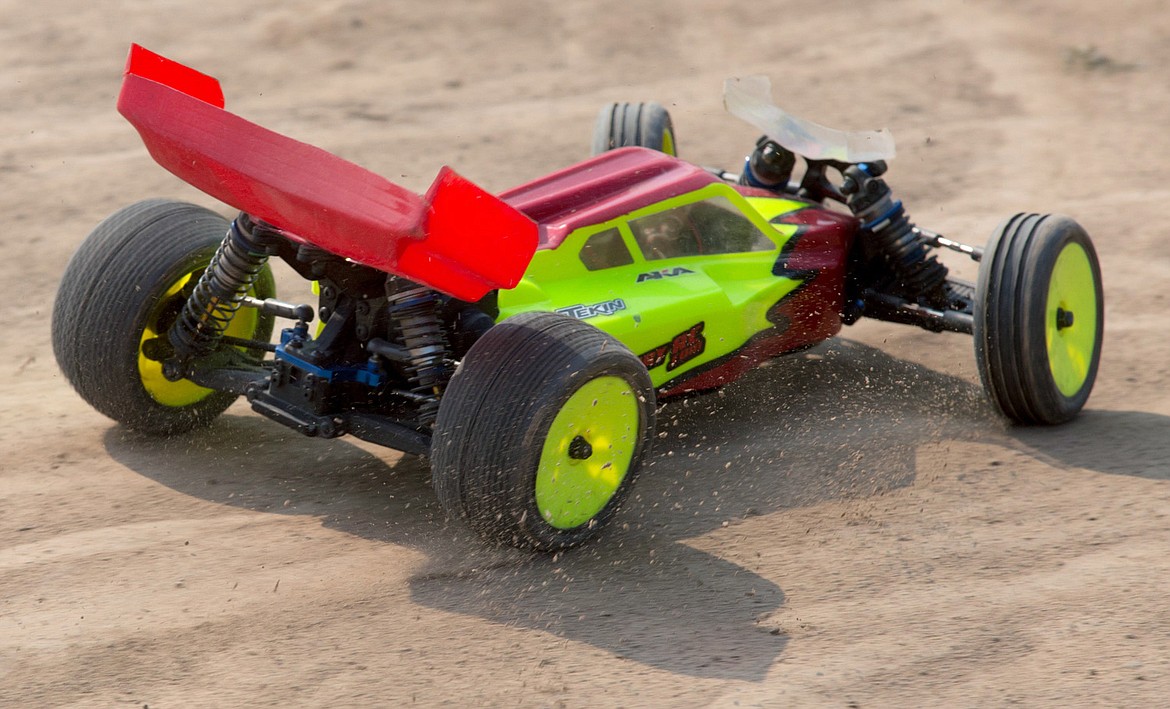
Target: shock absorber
[414, 312]
[769, 166]
[219, 293]
[884, 219]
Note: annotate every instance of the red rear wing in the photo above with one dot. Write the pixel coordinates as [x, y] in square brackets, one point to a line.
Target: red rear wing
[457, 238]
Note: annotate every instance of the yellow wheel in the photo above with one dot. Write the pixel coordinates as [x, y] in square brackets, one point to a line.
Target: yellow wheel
[647, 125]
[541, 432]
[122, 290]
[587, 452]
[1039, 318]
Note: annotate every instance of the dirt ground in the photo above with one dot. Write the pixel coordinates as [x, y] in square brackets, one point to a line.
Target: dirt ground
[851, 527]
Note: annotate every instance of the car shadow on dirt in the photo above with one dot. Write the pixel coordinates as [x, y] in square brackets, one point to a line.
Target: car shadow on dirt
[841, 421]
[1134, 443]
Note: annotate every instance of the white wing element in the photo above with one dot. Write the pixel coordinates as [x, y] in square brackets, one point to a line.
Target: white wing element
[750, 99]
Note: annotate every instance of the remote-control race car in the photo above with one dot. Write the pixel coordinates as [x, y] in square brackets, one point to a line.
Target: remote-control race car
[523, 341]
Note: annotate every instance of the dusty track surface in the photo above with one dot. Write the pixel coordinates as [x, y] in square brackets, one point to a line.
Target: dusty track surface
[850, 527]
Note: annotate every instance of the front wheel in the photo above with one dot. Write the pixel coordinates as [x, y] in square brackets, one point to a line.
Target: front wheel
[646, 125]
[541, 432]
[125, 286]
[1039, 318]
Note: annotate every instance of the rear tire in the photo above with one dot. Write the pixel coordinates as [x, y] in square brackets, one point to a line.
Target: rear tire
[127, 283]
[541, 432]
[647, 125]
[1039, 318]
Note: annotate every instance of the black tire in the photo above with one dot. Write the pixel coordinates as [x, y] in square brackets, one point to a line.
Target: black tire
[123, 280]
[647, 125]
[498, 438]
[1039, 283]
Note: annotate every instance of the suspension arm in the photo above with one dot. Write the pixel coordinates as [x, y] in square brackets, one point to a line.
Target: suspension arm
[882, 306]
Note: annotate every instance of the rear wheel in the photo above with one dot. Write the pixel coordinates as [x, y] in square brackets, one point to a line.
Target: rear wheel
[542, 431]
[643, 124]
[1039, 318]
[125, 286]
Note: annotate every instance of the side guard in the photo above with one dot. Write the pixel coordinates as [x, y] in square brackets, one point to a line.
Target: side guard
[457, 238]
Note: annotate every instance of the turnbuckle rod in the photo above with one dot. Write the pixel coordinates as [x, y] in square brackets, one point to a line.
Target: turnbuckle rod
[271, 306]
[933, 239]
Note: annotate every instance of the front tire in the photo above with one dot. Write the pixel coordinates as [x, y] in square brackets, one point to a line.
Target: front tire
[1039, 318]
[541, 432]
[647, 125]
[125, 285]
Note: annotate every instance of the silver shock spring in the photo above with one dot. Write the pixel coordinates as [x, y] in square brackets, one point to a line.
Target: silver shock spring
[219, 292]
[414, 312]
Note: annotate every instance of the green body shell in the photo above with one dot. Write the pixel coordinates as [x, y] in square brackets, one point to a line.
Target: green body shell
[677, 311]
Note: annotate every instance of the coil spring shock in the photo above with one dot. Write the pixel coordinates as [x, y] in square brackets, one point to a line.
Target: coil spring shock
[220, 291]
[414, 311]
[870, 200]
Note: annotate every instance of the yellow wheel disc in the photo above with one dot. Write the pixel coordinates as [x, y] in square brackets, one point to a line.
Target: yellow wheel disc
[1070, 318]
[587, 452]
[668, 143]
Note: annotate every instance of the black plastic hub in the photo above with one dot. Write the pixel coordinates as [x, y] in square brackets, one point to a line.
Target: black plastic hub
[579, 449]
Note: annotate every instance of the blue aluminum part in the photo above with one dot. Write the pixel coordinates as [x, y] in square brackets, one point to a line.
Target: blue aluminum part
[296, 338]
[872, 224]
